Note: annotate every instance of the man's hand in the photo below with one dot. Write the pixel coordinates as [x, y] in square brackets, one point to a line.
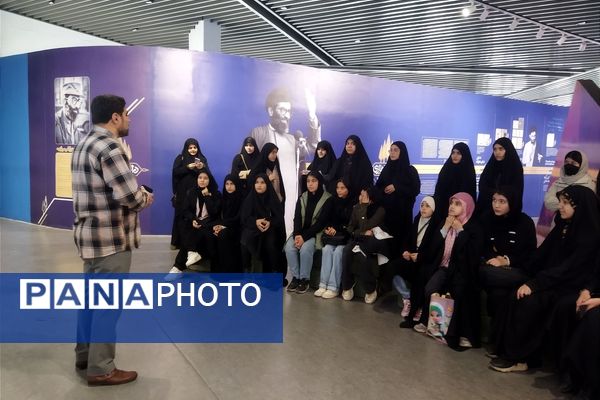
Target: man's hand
[413, 256]
[389, 189]
[497, 261]
[298, 241]
[591, 303]
[195, 224]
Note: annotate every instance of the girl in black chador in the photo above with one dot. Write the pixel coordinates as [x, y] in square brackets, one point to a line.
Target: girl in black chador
[510, 241]
[457, 175]
[353, 167]
[269, 165]
[323, 161]
[244, 162]
[561, 266]
[228, 230]
[399, 185]
[263, 228]
[183, 178]
[504, 168]
[201, 211]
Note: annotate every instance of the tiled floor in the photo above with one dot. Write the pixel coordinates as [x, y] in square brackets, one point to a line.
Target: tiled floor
[332, 349]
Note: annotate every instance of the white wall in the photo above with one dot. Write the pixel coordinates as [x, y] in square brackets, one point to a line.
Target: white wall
[24, 35]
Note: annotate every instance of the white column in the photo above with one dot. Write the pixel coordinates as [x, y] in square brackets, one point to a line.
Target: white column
[206, 36]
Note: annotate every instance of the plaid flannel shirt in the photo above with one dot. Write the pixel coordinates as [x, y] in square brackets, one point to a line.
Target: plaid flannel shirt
[106, 197]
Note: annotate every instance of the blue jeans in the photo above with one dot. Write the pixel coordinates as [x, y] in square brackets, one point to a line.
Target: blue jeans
[331, 267]
[300, 261]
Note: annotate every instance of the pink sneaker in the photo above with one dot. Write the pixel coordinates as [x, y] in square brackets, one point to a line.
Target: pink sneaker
[417, 316]
[406, 308]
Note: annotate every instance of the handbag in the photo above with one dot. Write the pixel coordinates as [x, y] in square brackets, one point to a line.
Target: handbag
[335, 240]
[441, 309]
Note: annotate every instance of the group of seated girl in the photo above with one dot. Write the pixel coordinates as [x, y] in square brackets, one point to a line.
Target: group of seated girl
[454, 245]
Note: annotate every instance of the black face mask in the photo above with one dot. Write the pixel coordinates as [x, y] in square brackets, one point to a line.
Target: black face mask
[571, 169]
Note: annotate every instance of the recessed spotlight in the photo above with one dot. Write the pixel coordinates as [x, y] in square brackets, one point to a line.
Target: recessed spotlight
[283, 8]
[582, 23]
[51, 2]
[357, 41]
[468, 10]
[135, 29]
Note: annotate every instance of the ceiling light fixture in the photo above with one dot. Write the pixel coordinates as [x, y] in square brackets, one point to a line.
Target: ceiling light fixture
[470, 9]
[51, 2]
[149, 1]
[135, 29]
[517, 19]
[485, 13]
[540, 33]
[283, 8]
[357, 41]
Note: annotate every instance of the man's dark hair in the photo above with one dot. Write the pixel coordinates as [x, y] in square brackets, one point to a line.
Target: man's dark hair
[104, 106]
[279, 95]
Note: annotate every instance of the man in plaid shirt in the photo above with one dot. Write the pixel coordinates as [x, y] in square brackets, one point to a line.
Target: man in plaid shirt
[106, 201]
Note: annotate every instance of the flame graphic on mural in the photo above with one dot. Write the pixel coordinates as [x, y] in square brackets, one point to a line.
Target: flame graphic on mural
[384, 150]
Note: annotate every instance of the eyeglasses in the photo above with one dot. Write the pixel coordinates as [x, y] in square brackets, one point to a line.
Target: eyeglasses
[283, 111]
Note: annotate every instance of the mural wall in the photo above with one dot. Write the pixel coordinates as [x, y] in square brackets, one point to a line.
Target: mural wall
[218, 99]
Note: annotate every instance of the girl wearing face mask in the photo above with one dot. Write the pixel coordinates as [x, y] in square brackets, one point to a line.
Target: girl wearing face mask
[414, 254]
[457, 175]
[456, 251]
[510, 241]
[183, 178]
[504, 168]
[354, 167]
[245, 161]
[573, 172]
[312, 213]
[227, 230]
[202, 210]
[563, 265]
[399, 185]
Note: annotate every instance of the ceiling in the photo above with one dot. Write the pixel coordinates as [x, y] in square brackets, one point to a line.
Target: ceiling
[420, 41]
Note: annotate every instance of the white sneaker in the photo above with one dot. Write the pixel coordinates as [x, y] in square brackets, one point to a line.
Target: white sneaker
[174, 273]
[420, 328]
[464, 342]
[418, 314]
[192, 258]
[371, 297]
[330, 294]
[406, 308]
[348, 294]
[319, 292]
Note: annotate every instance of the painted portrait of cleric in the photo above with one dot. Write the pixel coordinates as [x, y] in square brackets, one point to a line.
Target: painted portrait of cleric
[294, 148]
[71, 102]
